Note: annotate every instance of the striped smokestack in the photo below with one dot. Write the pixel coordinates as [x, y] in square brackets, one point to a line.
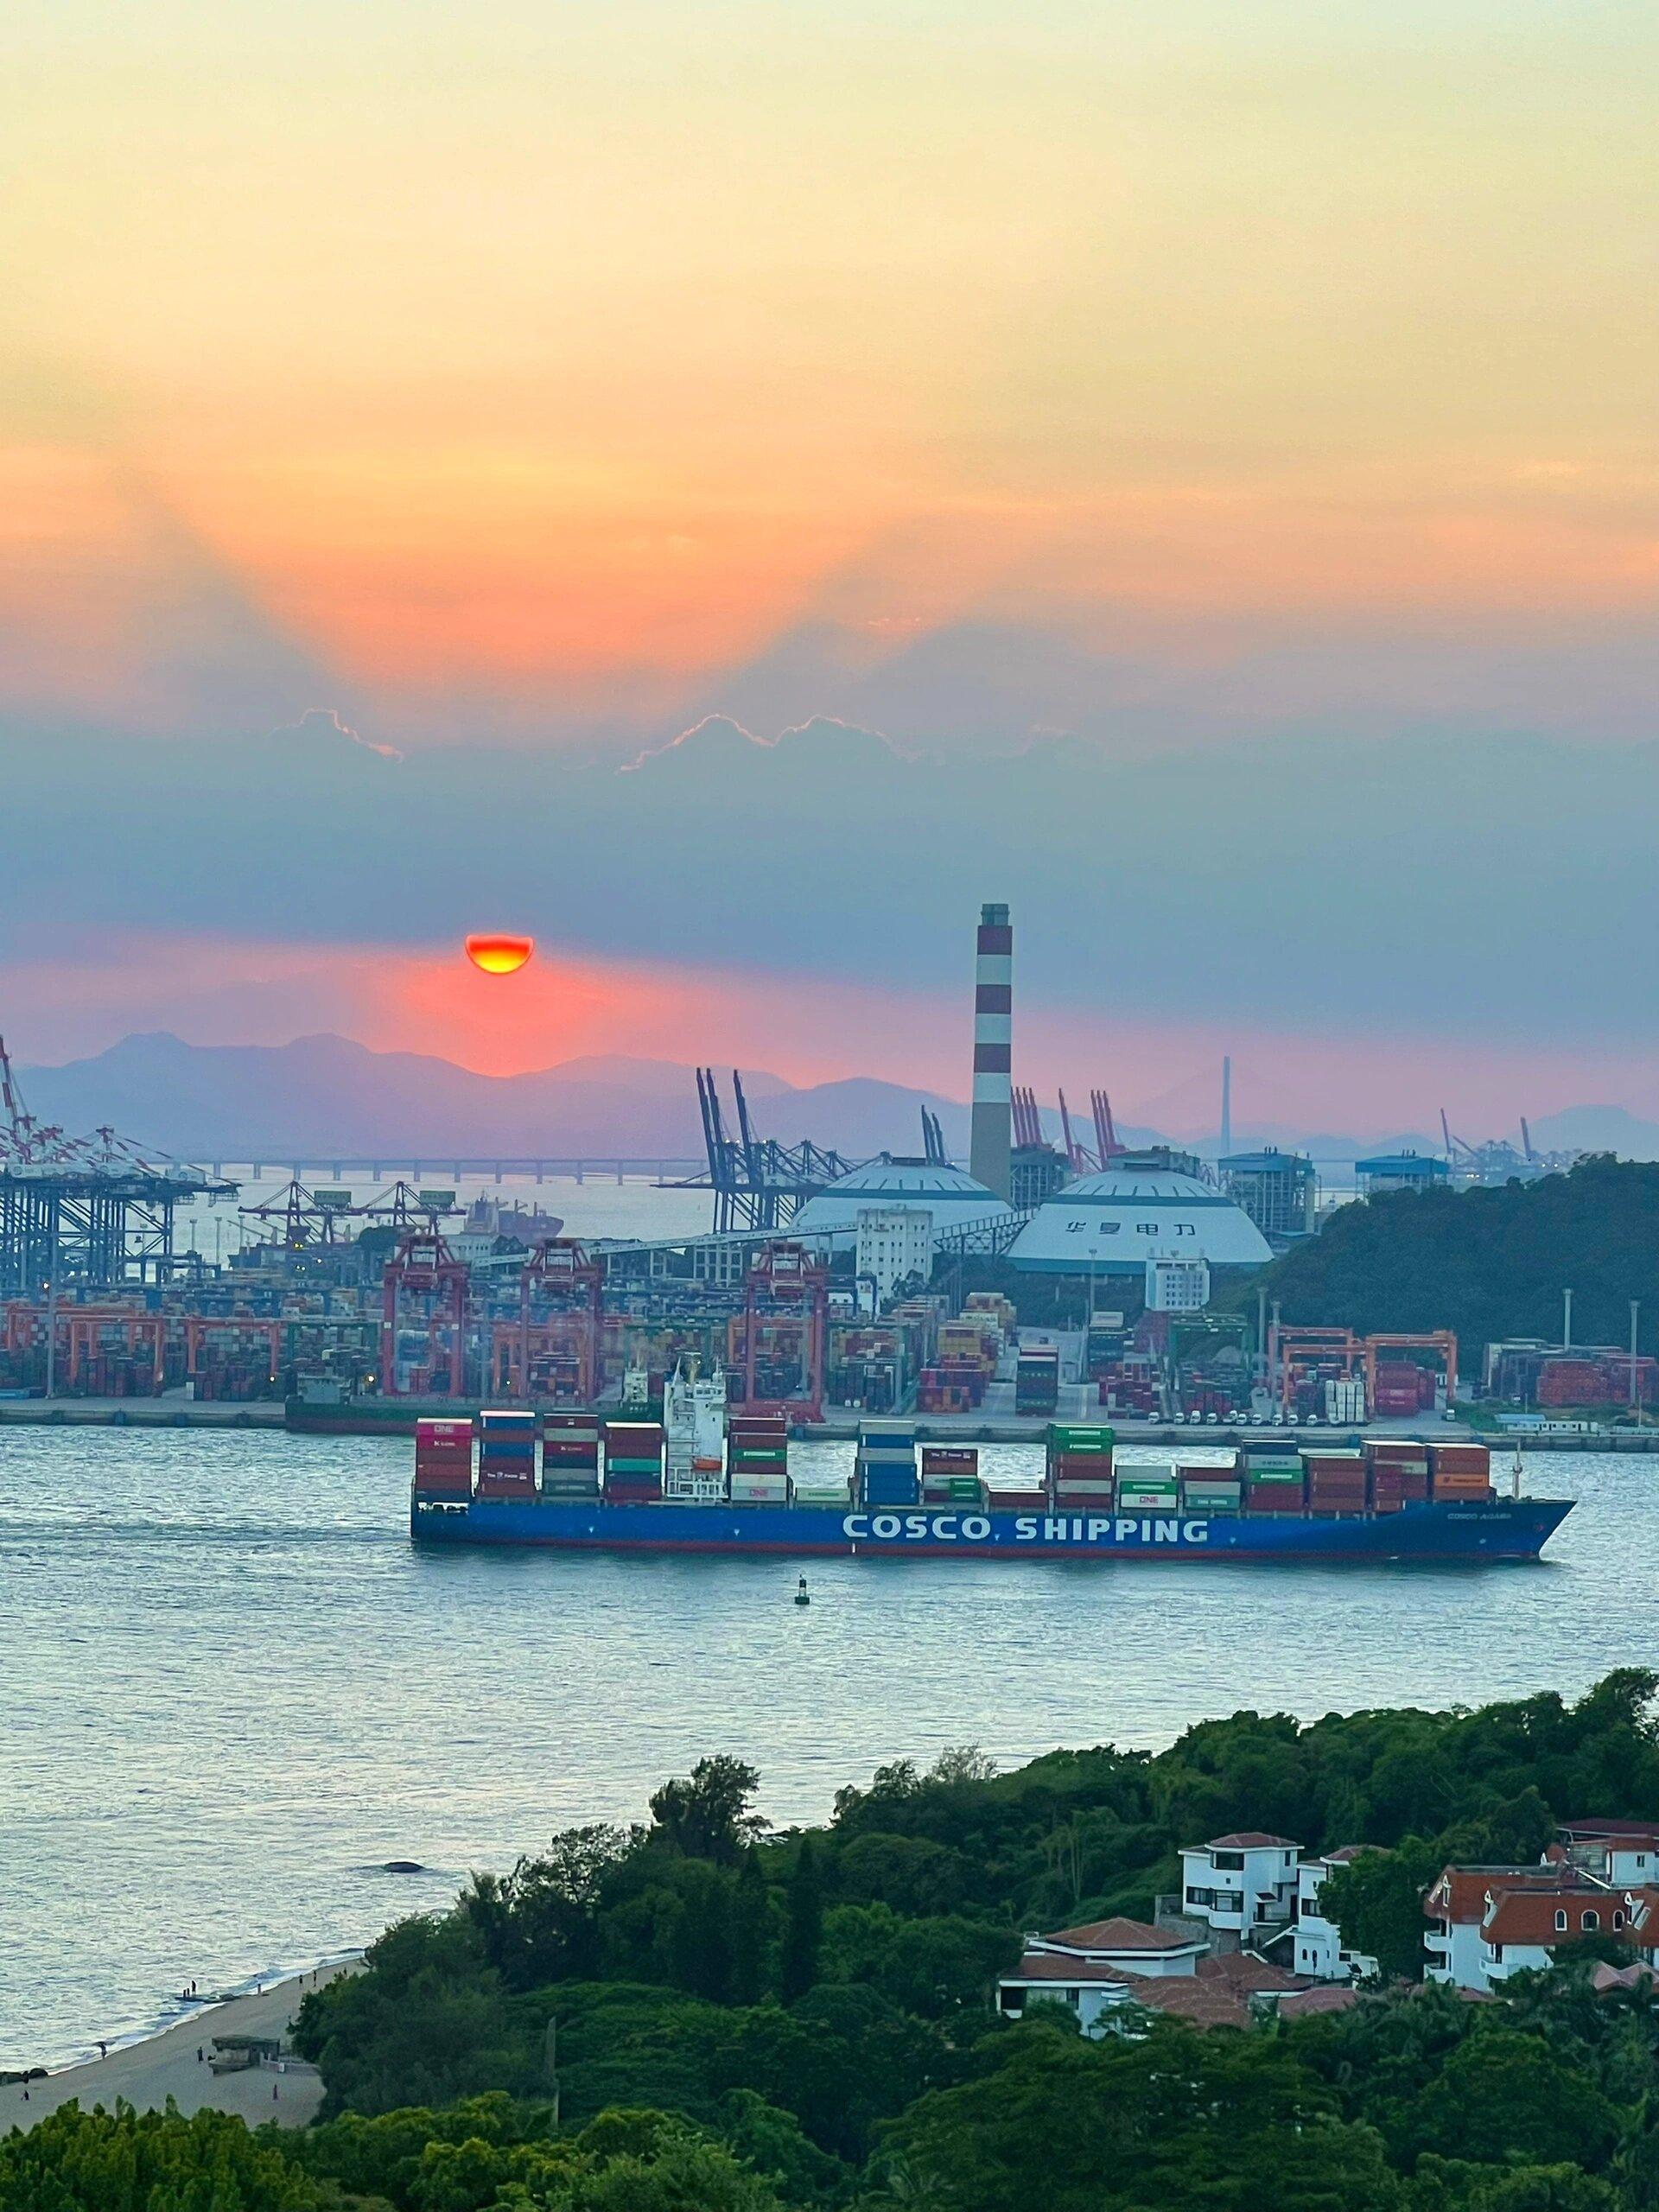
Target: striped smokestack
[992, 1122]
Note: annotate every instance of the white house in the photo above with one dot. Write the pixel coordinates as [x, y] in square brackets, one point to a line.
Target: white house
[1095, 1968]
[1242, 1887]
[1623, 1853]
[1488, 1923]
[1316, 1944]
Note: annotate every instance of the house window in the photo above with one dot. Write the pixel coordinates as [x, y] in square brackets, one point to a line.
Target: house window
[1201, 1897]
[1618, 1920]
[1232, 1862]
[1074, 1997]
[1589, 1920]
[1013, 2000]
[1560, 1923]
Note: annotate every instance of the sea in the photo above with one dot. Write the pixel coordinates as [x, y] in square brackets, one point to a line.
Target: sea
[234, 1692]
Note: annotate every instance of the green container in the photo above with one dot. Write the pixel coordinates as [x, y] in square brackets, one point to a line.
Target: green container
[633, 1466]
[1064, 1437]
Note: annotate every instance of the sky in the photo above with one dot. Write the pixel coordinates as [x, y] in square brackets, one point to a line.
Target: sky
[726, 489]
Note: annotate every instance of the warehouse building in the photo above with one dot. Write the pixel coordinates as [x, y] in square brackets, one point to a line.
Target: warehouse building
[950, 1194]
[1139, 1209]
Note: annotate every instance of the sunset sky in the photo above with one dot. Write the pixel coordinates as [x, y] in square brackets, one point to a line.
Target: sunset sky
[1189, 470]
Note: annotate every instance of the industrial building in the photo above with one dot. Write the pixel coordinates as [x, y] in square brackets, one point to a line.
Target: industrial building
[1278, 1189]
[951, 1194]
[1401, 1171]
[1143, 1207]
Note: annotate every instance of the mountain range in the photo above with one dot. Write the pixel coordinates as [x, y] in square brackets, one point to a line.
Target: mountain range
[329, 1095]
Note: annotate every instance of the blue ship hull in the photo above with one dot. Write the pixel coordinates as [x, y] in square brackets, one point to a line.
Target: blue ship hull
[1505, 1529]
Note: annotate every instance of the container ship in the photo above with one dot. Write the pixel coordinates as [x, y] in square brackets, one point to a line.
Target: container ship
[643, 1486]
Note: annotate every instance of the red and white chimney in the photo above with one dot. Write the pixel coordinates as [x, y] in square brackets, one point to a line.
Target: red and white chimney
[992, 1135]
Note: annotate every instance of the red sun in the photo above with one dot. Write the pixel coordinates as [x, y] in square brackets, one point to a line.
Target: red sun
[499, 956]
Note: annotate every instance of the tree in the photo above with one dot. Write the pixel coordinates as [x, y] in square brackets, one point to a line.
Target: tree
[1173, 2122]
[1376, 1902]
[749, 1917]
[712, 1814]
[803, 1928]
[126, 2161]
[1504, 2096]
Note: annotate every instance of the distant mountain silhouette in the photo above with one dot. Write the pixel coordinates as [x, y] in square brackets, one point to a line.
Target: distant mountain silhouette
[328, 1094]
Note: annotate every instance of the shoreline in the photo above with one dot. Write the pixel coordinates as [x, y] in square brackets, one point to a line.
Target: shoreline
[152, 2066]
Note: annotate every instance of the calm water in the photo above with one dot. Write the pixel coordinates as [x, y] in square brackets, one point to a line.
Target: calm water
[233, 1690]
[597, 1206]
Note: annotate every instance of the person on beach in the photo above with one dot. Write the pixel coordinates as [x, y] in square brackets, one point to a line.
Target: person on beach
[102, 2048]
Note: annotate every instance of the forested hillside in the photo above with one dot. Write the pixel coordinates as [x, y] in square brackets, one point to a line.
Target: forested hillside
[737, 2021]
[1487, 1263]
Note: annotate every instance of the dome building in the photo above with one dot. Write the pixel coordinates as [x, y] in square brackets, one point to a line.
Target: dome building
[1137, 1209]
[950, 1194]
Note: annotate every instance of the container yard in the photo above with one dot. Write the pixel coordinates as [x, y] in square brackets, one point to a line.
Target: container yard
[366, 1313]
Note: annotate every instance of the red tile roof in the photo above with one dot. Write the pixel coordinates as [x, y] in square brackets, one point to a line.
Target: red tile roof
[1207, 2003]
[1604, 1977]
[1332, 1997]
[1251, 1840]
[1529, 1916]
[1243, 1971]
[1121, 1935]
[1461, 1892]
[1216, 1996]
[1344, 1853]
[1646, 1830]
[1047, 1967]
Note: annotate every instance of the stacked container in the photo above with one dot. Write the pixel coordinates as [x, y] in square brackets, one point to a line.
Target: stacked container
[888, 1472]
[835, 1492]
[1213, 1486]
[1459, 1473]
[950, 1475]
[1079, 1469]
[443, 1459]
[633, 1462]
[506, 1454]
[1399, 1474]
[571, 1456]
[1335, 1482]
[1401, 1387]
[1272, 1478]
[1148, 1484]
[757, 1459]
[1037, 1380]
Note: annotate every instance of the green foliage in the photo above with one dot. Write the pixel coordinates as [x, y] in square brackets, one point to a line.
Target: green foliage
[1177, 2119]
[123, 2161]
[711, 1815]
[427, 2023]
[804, 1935]
[1485, 1263]
[692, 2017]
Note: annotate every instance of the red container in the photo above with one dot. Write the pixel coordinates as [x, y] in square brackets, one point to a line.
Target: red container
[453, 1480]
[494, 1481]
[456, 1434]
[623, 1493]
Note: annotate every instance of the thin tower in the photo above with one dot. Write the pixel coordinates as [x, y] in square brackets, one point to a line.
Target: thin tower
[1226, 1103]
[993, 1117]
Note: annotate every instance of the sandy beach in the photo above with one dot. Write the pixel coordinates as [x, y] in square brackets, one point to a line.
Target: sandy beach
[146, 2074]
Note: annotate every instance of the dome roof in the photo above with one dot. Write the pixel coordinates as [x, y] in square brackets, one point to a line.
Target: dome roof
[952, 1195]
[1114, 1222]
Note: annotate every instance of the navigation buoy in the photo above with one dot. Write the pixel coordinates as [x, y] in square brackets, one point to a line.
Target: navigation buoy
[802, 1596]
[497, 955]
